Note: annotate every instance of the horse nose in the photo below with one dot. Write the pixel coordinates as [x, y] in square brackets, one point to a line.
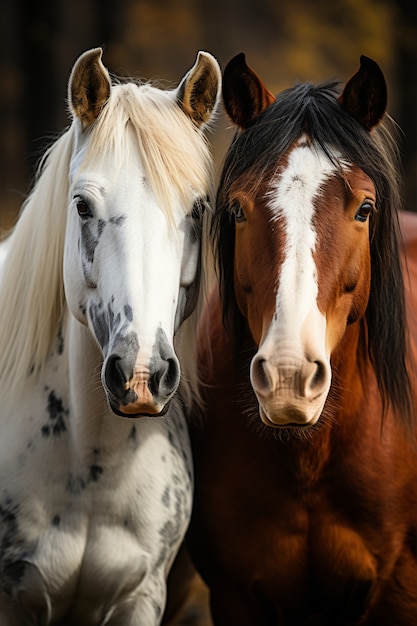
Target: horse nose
[137, 385]
[306, 379]
[164, 375]
[291, 390]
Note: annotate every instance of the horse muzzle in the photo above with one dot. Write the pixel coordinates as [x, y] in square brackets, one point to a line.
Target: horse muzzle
[145, 392]
[291, 391]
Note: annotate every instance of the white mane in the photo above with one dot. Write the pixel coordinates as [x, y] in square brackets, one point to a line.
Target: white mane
[175, 156]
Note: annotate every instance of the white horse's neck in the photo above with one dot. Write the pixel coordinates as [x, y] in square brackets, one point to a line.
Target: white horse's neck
[93, 425]
[77, 477]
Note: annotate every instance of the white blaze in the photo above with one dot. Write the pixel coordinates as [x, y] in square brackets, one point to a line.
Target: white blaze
[292, 198]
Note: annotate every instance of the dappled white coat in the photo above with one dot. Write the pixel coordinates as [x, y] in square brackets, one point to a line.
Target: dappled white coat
[94, 506]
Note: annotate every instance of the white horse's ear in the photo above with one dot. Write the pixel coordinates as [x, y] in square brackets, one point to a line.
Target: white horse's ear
[89, 87]
[199, 91]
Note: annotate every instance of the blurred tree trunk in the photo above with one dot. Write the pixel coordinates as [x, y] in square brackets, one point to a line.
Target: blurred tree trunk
[406, 80]
[37, 25]
[40, 41]
[12, 172]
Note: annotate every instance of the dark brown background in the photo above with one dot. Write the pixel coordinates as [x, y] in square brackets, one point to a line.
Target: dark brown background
[284, 40]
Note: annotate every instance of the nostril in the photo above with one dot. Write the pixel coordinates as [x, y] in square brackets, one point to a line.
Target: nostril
[171, 376]
[115, 376]
[165, 378]
[319, 375]
[260, 379]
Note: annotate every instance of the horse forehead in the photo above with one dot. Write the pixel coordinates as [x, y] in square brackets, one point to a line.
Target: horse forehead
[115, 166]
[293, 196]
[299, 180]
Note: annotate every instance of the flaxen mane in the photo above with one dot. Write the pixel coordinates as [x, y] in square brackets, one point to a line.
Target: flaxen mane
[175, 156]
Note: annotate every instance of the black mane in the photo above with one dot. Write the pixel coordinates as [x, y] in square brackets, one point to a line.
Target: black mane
[315, 111]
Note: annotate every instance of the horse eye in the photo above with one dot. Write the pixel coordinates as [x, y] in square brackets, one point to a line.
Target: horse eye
[363, 212]
[198, 210]
[237, 212]
[83, 208]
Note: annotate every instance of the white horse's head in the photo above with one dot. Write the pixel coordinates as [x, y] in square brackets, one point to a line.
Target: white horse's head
[139, 177]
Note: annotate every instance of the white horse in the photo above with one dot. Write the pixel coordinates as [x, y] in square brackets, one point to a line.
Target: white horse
[100, 273]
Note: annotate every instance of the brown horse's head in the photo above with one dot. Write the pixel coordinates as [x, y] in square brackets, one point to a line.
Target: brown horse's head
[305, 218]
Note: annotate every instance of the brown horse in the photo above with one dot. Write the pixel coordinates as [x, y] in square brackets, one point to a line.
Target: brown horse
[305, 459]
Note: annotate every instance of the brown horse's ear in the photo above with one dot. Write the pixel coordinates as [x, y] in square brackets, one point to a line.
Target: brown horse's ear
[245, 96]
[199, 91]
[89, 87]
[365, 94]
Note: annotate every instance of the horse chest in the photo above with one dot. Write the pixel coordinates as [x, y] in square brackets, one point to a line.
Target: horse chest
[299, 549]
[95, 528]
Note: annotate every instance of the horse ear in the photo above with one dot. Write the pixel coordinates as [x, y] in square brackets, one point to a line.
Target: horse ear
[89, 87]
[245, 96]
[365, 94]
[199, 91]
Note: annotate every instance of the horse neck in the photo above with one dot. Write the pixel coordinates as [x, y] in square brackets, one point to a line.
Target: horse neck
[93, 425]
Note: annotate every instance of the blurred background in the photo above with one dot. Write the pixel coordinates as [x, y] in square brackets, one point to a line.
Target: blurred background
[284, 41]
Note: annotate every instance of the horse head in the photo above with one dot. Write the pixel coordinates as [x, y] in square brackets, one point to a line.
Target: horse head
[140, 175]
[301, 199]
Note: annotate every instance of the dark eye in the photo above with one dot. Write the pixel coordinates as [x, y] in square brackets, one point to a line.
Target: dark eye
[237, 212]
[364, 211]
[83, 208]
[198, 209]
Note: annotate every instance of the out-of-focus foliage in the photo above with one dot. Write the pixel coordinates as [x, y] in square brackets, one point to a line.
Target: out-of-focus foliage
[284, 41]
